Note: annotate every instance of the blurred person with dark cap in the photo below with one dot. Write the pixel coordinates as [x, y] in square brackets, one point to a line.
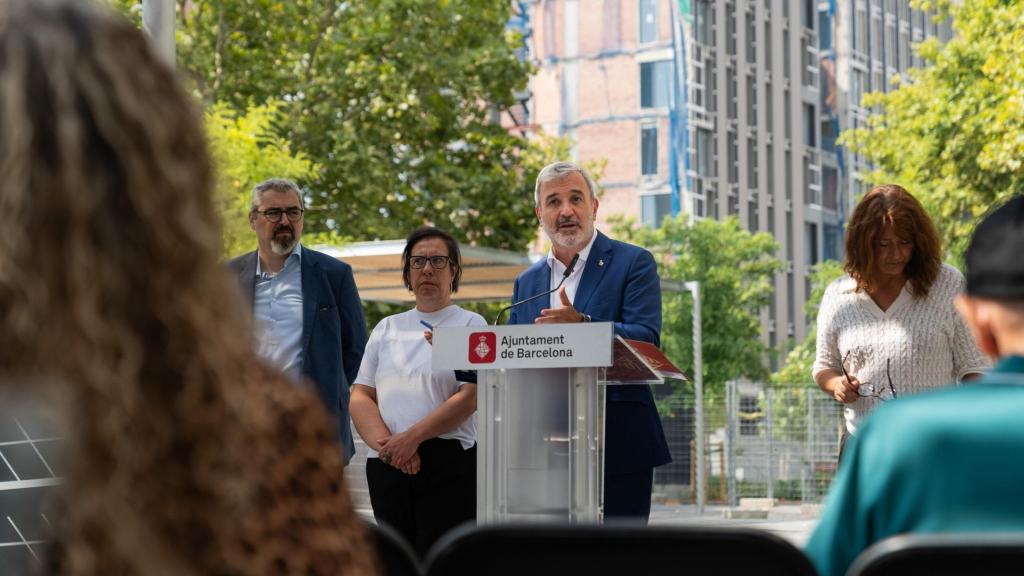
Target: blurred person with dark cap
[949, 460]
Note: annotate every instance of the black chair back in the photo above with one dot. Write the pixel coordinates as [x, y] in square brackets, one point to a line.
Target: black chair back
[991, 554]
[619, 550]
[395, 554]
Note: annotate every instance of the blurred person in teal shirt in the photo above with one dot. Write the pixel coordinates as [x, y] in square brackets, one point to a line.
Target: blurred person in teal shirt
[945, 461]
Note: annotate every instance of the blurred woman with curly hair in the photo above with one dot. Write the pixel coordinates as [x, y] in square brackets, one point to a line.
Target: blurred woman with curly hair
[888, 328]
[184, 454]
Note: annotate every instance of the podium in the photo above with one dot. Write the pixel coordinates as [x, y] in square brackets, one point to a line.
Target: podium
[540, 414]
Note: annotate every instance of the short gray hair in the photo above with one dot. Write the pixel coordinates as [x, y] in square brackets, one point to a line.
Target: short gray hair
[559, 170]
[275, 185]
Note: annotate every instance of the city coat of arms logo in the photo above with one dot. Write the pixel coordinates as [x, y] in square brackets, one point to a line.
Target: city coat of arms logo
[483, 347]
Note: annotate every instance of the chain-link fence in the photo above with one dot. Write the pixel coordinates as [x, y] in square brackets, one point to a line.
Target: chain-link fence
[777, 442]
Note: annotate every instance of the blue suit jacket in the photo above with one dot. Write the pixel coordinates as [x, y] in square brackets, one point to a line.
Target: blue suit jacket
[620, 284]
[333, 329]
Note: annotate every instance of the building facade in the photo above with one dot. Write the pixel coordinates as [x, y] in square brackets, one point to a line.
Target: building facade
[723, 107]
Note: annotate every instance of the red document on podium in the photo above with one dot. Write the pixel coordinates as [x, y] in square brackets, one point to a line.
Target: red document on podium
[640, 362]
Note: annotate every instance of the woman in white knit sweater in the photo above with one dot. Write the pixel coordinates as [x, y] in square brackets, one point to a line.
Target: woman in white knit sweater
[888, 328]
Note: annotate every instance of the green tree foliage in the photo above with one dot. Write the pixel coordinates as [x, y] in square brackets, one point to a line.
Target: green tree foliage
[735, 269]
[797, 369]
[789, 408]
[953, 132]
[394, 99]
[246, 151]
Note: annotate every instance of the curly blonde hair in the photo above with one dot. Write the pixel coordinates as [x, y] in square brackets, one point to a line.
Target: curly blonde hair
[187, 455]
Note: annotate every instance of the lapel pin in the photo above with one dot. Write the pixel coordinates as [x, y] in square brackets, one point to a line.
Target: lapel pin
[600, 262]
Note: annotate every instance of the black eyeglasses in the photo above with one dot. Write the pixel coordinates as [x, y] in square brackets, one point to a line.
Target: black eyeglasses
[274, 214]
[436, 262]
[880, 392]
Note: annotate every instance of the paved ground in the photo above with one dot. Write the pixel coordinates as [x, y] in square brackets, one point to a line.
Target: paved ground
[792, 522]
[789, 522]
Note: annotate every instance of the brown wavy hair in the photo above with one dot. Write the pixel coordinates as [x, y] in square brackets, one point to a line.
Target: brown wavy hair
[890, 204]
[187, 455]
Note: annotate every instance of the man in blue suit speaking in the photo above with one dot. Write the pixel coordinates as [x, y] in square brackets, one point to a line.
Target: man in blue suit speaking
[611, 282]
[309, 319]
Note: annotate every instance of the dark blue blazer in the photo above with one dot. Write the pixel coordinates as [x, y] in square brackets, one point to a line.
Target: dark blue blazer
[620, 284]
[333, 329]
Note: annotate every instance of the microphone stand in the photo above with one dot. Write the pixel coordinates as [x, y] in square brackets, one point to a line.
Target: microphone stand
[565, 275]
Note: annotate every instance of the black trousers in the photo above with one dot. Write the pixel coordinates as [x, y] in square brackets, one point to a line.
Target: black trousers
[423, 506]
[628, 496]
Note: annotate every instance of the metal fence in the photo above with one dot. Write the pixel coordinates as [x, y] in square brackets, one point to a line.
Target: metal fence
[777, 442]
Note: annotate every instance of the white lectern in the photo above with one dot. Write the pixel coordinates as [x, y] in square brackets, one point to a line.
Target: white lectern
[540, 415]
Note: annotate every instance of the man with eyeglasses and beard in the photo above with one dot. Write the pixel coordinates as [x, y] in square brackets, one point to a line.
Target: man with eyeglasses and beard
[309, 319]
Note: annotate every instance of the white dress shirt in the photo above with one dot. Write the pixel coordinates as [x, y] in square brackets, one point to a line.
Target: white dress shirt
[573, 281]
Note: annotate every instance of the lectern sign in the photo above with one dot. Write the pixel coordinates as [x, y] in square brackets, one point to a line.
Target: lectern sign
[533, 346]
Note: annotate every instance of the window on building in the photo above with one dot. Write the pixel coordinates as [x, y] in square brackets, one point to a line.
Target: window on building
[712, 86]
[790, 302]
[785, 55]
[789, 175]
[829, 187]
[697, 87]
[751, 163]
[705, 152]
[649, 150]
[769, 175]
[732, 157]
[648, 21]
[654, 208]
[890, 45]
[789, 242]
[857, 88]
[904, 50]
[828, 134]
[654, 83]
[860, 33]
[752, 216]
[787, 116]
[807, 14]
[731, 93]
[751, 38]
[705, 23]
[824, 30]
[810, 126]
[730, 30]
[751, 101]
[767, 41]
[876, 40]
[833, 242]
[810, 244]
[769, 108]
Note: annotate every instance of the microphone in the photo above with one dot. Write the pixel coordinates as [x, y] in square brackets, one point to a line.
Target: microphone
[566, 274]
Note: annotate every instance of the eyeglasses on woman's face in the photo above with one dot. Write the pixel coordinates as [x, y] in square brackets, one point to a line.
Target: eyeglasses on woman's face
[436, 262]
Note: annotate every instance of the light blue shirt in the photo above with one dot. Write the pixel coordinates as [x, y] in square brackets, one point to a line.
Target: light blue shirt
[277, 307]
